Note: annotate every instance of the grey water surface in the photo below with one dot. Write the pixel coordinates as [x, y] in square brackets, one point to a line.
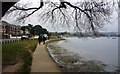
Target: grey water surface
[102, 49]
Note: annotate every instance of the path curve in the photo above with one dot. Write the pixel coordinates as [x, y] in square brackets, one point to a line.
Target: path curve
[42, 62]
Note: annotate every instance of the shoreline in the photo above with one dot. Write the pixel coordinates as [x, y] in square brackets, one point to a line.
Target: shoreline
[69, 62]
[47, 48]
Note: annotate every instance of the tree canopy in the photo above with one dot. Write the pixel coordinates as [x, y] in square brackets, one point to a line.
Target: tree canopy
[85, 15]
[37, 29]
[23, 29]
[34, 30]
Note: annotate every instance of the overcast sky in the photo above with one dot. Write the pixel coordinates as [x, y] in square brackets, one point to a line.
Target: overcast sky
[112, 27]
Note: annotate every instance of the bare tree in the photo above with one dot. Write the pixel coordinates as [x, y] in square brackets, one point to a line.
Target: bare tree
[89, 15]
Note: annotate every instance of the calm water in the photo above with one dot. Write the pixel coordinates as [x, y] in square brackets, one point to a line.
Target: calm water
[101, 49]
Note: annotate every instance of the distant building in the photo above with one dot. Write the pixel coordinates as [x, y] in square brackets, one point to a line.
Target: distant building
[0, 30]
[7, 29]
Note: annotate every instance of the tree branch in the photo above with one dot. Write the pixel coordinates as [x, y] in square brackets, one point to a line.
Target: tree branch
[26, 9]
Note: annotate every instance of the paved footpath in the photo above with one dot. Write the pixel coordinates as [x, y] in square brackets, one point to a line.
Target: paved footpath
[42, 62]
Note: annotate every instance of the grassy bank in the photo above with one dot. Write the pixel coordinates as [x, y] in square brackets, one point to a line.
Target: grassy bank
[53, 39]
[15, 52]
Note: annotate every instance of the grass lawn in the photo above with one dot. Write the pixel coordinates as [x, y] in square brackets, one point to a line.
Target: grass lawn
[19, 51]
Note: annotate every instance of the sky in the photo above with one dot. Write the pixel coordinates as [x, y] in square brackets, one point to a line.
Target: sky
[110, 27]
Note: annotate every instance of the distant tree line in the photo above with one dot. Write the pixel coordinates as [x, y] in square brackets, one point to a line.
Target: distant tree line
[34, 30]
[86, 34]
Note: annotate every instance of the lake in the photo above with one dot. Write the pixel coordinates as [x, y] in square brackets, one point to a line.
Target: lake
[102, 48]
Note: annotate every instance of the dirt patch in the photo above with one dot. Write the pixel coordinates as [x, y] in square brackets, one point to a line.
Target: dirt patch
[13, 68]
